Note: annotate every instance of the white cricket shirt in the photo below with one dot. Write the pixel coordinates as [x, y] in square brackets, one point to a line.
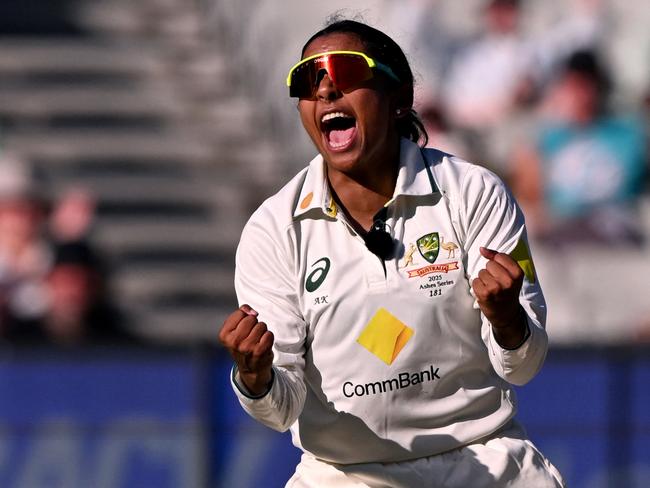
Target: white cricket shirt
[386, 361]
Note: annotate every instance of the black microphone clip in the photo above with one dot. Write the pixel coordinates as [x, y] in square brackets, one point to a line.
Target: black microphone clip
[378, 240]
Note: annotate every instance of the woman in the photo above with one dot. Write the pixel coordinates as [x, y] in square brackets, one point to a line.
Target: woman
[387, 365]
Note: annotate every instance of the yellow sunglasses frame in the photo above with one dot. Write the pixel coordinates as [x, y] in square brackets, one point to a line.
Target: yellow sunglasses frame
[371, 63]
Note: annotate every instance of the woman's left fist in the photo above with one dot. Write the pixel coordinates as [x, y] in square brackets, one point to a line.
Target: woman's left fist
[497, 289]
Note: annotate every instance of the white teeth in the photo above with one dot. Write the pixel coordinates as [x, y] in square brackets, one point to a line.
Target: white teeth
[334, 115]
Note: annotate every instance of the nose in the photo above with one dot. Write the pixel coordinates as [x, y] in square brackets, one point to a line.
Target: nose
[326, 90]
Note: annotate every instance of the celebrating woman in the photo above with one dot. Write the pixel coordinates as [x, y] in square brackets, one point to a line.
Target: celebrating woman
[389, 295]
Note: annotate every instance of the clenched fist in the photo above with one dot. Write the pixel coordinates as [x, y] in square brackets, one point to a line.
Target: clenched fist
[251, 346]
[497, 290]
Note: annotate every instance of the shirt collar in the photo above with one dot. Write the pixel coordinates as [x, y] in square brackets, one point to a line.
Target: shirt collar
[413, 178]
[315, 192]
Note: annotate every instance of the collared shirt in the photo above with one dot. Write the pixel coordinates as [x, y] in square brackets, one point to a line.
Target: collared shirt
[386, 360]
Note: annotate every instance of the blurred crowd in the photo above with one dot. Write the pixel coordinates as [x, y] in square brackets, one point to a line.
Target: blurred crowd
[52, 280]
[540, 113]
[545, 112]
[545, 109]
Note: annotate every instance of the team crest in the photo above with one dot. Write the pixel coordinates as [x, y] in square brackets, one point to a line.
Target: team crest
[429, 246]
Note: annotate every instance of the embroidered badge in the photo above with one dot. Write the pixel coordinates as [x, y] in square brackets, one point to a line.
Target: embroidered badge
[408, 255]
[429, 246]
[450, 247]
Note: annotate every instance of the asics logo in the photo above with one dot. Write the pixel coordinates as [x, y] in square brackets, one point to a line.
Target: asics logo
[318, 275]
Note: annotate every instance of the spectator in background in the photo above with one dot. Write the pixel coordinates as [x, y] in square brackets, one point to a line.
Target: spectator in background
[486, 76]
[489, 79]
[24, 253]
[79, 311]
[495, 78]
[79, 307]
[73, 216]
[580, 178]
[52, 290]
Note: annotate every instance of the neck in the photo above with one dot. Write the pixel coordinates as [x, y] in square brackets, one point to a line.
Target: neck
[362, 195]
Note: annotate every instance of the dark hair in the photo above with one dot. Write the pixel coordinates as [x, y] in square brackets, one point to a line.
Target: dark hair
[588, 64]
[387, 51]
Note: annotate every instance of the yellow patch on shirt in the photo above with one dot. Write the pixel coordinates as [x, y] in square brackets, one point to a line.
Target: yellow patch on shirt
[385, 336]
[521, 254]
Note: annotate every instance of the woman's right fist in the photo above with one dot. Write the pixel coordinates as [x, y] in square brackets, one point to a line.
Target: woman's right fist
[250, 344]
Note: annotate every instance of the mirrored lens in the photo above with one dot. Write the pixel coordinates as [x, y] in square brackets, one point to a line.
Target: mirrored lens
[345, 71]
[303, 81]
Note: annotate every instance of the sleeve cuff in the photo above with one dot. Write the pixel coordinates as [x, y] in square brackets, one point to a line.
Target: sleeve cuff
[243, 390]
[524, 340]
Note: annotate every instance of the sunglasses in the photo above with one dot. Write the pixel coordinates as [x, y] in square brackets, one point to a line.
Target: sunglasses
[346, 69]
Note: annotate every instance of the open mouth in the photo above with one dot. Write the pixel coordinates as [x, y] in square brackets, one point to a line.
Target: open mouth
[339, 129]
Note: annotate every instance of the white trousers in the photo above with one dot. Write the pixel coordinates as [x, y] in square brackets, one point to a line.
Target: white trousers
[507, 459]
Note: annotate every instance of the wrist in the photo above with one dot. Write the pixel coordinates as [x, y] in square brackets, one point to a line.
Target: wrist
[507, 317]
[514, 334]
[256, 384]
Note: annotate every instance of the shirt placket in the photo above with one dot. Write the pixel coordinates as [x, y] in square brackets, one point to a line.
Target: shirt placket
[373, 268]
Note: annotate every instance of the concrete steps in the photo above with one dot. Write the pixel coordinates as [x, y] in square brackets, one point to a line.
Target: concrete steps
[142, 112]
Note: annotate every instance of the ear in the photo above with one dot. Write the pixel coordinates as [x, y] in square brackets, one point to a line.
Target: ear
[403, 100]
